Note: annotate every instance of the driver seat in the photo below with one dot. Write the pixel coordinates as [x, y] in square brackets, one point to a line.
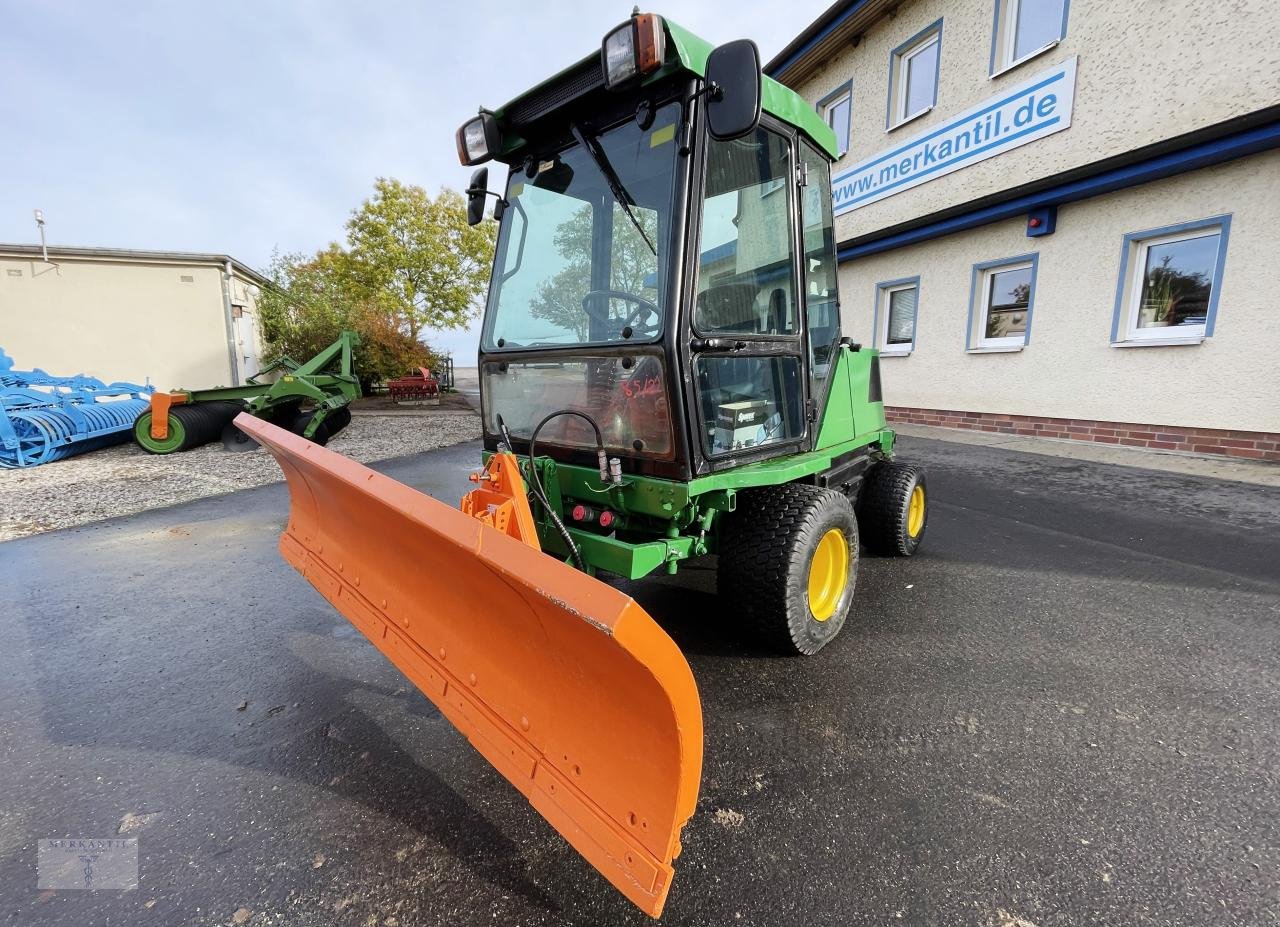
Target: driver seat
[728, 307]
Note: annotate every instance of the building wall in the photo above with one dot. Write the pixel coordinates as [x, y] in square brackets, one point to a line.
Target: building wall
[1147, 71]
[116, 320]
[1069, 369]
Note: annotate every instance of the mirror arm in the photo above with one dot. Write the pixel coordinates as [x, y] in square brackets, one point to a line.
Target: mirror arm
[712, 91]
[477, 191]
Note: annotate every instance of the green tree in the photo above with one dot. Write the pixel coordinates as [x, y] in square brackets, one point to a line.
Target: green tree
[410, 262]
[312, 299]
[417, 256]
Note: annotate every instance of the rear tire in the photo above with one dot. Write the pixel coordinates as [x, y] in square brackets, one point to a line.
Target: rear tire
[789, 564]
[893, 509]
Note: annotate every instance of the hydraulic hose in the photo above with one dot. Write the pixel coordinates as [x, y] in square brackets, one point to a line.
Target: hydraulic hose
[536, 479]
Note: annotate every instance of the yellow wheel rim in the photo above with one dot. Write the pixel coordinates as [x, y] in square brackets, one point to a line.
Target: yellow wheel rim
[828, 574]
[915, 512]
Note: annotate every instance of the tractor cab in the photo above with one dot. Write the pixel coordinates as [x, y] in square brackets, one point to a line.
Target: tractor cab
[665, 261]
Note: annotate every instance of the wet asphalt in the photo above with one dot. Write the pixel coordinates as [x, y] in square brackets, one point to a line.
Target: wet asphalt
[1065, 710]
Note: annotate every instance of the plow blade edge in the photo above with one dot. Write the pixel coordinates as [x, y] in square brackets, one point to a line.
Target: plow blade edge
[563, 683]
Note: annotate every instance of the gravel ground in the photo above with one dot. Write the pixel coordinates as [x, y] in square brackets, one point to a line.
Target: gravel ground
[125, 479]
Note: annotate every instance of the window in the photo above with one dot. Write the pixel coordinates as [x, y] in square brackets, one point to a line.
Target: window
[748, 402]
[1169, 279]
[751, 400]
[895, 316]
[913, 76]
[571, 265]
[837, 111]
[1000, 304]
[745, 273]
[1025, 28]
[822, 298]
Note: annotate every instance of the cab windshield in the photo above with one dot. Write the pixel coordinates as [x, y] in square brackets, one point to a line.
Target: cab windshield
[582, 254]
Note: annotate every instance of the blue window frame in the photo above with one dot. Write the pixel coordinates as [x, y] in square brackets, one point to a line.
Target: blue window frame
[836, 109]
[913, 76]
[1002, 296]
[1023, 29]
[1169, 283]
[896, 316]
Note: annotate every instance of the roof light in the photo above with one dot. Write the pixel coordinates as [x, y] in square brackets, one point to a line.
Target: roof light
[635, 48]
[478, 139]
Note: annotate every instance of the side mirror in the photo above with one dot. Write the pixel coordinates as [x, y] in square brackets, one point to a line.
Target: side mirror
[733, 105]
[476, 193]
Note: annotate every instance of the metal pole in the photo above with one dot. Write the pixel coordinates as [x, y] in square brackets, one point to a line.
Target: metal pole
[44, 248]
[232, 349]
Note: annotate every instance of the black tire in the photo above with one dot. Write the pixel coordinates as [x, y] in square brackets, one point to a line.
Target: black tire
[884, 509]
[767, 550]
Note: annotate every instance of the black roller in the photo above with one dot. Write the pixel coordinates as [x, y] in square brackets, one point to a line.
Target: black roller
[204, 421]
[334, 423]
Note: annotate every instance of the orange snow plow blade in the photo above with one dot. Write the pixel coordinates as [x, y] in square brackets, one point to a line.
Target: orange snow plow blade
[563, 683]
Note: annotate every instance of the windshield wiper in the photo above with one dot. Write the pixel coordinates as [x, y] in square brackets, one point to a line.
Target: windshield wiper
[611, 178]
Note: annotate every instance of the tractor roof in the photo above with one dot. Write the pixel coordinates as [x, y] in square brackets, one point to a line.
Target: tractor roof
[690, 55]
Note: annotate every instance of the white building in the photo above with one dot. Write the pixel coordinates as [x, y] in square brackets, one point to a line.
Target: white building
[1060, 217]
[174, 318]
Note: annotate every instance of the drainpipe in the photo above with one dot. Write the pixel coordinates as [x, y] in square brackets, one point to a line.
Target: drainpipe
[232, 351]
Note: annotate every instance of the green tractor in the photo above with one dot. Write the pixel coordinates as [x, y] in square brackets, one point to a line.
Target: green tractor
[664, 293]
[662, 377]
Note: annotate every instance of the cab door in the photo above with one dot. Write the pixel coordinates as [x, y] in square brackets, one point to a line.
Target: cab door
[747, 337]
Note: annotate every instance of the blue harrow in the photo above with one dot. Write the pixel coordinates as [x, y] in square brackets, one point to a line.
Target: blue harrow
[45, 418]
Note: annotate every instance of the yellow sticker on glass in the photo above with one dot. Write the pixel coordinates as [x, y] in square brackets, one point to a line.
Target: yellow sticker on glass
[662, 136]
[516, 190]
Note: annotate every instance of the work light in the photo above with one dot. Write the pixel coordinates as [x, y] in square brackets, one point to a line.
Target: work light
[635, 48]
[478, 140]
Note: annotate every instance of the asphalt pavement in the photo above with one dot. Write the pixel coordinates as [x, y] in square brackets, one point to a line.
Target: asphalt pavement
[1064, 711]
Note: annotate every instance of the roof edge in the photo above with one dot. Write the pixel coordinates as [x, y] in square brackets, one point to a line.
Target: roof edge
[138, 255]
[838, 18]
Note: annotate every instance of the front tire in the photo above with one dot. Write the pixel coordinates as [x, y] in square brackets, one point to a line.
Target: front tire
[789, 564]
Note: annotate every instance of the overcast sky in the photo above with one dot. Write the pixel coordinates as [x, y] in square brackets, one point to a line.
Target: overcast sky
[242, 127]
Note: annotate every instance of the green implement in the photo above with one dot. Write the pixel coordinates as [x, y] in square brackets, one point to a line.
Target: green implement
[308, 399]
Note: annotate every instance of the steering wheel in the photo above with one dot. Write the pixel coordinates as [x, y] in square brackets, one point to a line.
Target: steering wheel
[591, 306]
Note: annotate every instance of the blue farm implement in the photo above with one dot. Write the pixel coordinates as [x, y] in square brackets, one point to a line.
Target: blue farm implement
[45, 418]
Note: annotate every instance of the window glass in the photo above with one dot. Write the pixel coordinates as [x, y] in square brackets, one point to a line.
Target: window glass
[1177, 282]
[1008, 297]
[901, 322]
[747, 259]
[838, 114]
[1039, 22]
[749, 401]
[921, 78]
[628, 403]
[565, 241]
[822, 300]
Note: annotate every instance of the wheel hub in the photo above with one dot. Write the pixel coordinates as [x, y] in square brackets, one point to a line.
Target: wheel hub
[828, 574]
[915, 511]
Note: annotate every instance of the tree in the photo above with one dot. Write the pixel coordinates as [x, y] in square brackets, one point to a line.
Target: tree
[410, 263]
[312, 299]
[418, 256]
[633, 267]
